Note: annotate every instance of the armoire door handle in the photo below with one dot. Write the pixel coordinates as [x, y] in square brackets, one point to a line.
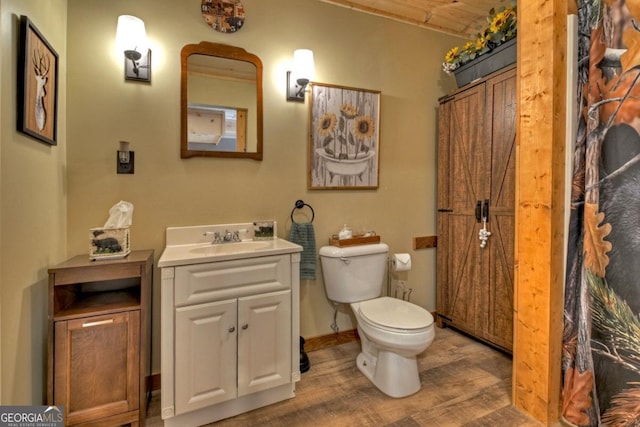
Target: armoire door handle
[478, 211]
[485, 210]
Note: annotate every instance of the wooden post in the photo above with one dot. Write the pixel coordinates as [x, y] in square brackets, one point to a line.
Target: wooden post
[539, 276]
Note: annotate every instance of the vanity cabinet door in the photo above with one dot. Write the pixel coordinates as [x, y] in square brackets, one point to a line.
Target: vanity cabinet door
[264, 341]
[205, 355]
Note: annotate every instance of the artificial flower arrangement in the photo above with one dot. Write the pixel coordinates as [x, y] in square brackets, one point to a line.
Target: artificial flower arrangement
[502, 27]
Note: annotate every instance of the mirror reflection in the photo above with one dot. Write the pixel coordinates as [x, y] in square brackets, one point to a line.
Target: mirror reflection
[221, 94]
[216, 128]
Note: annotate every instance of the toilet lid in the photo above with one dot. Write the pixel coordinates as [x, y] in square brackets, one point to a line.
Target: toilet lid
[395, 313]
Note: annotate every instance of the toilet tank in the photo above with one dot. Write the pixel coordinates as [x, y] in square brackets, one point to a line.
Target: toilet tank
[354, 273]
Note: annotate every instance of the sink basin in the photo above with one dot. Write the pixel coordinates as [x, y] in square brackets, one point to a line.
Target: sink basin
[230, 248]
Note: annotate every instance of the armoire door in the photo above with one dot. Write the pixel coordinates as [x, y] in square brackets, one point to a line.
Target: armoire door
[461, 178]
[496, 300]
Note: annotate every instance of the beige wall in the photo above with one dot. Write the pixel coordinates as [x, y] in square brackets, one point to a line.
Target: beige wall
[42, 189]
[33, 213]
[351, 49]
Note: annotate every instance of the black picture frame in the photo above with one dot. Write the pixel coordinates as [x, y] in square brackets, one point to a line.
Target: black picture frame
[37, 85]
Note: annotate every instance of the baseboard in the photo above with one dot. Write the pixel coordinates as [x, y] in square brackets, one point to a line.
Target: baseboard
[154, 381]
[324, 341]
[311, 344]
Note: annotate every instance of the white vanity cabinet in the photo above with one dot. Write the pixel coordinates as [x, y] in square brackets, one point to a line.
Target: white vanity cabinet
[230, 335]
[248, 338]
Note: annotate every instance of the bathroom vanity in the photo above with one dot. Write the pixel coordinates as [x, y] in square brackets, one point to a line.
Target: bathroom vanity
[230, 323]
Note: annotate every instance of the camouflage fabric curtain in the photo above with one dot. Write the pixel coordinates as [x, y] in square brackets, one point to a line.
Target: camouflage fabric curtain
[601, 342]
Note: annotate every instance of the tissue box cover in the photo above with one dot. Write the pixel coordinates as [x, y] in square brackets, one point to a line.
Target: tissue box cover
[109, 243]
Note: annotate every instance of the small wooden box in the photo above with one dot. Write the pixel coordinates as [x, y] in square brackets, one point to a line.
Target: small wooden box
[109, 243]
[353, 241]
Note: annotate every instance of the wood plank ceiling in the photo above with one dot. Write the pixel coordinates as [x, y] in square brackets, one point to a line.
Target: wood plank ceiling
[457, 17]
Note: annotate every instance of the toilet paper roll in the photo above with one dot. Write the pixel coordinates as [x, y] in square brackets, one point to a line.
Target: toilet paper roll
[401, 262]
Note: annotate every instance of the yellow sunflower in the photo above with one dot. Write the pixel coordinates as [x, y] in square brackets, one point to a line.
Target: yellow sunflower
[469, 47]
[480, 43]
[348, 110]
[326, 124]
[363, 127]
[452, 54]
[500, 20]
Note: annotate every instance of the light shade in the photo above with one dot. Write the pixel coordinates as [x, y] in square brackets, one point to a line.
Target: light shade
[302, 70]
[303, 66]
[131, 35]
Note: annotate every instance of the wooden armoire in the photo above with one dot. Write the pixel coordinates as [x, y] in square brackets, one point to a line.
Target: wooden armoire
[476, 181]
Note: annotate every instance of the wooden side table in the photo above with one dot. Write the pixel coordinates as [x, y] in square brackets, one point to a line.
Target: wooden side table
[99, 339]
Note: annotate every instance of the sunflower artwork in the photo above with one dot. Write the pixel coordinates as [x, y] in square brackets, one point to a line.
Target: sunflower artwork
[344, 138]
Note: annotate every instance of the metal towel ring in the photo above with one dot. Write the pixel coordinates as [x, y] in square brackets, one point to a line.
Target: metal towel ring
[299, 205]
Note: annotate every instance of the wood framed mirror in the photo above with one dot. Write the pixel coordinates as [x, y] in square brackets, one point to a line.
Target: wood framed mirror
[220, 102]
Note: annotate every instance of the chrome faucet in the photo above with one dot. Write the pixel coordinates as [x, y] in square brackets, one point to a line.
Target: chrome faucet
[227, 237]
[216, 236]
[231, 237]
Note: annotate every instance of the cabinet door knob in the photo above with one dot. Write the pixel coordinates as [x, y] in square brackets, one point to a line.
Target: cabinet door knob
[232, 329]
[245, 326]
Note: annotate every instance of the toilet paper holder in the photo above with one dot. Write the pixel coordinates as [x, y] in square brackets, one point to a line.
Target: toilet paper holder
[401, 262]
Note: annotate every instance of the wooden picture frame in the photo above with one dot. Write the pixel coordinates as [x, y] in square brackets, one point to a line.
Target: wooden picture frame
[344, 143]
[37, 85]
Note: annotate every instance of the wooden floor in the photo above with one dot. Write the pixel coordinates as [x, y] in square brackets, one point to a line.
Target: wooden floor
[464, 383]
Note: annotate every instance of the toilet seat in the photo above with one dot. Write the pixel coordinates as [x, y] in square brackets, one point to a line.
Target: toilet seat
[394, 314]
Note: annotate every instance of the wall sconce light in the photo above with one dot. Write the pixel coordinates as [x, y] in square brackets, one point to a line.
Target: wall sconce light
[131, 38]
[300, 75]
[125, 158]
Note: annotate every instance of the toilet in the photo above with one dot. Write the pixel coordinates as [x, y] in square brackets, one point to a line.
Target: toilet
[392, 331]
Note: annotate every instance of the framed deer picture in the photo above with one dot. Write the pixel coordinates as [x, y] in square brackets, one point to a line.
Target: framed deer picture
[37, 85]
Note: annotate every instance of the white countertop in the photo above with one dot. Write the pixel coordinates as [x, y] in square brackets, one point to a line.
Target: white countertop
[190, 245]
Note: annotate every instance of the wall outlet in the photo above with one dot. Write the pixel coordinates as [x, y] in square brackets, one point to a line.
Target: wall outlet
[125, 168]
